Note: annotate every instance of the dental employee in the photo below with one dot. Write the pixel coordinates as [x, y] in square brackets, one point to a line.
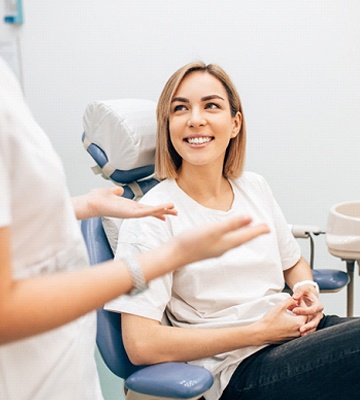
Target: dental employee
[47, 292]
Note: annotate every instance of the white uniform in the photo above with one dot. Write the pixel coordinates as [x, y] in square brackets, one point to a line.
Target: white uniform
[235, 289]
[45, 239]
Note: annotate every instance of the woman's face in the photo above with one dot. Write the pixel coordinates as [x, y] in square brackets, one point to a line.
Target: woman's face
[200, 122]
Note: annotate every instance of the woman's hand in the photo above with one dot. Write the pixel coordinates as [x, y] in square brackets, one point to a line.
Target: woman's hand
[305, 296]
[281, 324]
[308, 305]
[107, 202]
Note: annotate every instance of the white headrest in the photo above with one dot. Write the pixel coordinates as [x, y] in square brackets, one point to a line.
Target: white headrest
[124, 129]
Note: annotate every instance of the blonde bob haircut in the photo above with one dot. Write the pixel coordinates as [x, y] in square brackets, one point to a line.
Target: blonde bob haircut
[168, 161]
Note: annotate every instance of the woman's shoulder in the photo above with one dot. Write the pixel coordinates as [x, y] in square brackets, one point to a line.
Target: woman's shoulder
[252, 182]
[163, 192]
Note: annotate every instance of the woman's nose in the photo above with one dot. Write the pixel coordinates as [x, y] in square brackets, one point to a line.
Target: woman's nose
[196, 118]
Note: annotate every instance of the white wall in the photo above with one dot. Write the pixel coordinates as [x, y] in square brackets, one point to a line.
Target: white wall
[296, 65]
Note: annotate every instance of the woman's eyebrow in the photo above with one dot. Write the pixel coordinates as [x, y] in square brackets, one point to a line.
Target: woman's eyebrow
[211, 97]
[181, 99]
[205, 98]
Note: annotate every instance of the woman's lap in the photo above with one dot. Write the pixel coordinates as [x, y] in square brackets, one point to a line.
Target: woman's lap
[322, 365]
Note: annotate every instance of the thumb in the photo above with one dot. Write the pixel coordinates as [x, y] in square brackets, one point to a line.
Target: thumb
[118, 190]
[289, 304]
[296, 295]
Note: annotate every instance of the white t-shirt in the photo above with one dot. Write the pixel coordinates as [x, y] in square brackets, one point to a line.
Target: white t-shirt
[233, 290]
[45, 238]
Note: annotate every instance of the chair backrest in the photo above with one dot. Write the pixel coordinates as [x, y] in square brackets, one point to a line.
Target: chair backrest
[108, 336]
[120, 137]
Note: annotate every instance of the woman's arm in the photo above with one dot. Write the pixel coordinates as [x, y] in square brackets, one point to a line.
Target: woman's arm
[301, 271]
[148, 342]
[108, 202]
[34, 305]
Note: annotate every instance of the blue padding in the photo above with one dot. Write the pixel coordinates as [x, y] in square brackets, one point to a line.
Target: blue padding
[96, 153]
[96, 241]
[123, 176]
[108, 339]
[119, 176]
[111, 346]
[175, 380]
[144, 185]
[330, 279]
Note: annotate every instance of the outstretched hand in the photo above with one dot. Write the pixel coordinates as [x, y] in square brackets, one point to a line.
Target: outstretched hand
[107, 202]
[215, 239]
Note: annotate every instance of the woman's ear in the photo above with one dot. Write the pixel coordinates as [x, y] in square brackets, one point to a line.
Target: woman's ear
[237, 120]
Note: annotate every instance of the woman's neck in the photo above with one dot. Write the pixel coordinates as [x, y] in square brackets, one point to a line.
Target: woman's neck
[208, 188]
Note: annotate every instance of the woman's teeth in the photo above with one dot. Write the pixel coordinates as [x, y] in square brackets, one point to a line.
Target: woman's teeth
[198, 140]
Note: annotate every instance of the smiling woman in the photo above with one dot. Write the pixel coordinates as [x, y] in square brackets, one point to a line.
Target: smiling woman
[201, 127]
[220, 96]
[230, 314]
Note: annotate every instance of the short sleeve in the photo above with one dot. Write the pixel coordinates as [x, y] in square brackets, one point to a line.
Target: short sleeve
[137, 236]
[289, 248]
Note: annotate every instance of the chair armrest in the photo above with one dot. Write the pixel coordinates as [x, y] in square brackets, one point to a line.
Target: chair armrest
[173, 379]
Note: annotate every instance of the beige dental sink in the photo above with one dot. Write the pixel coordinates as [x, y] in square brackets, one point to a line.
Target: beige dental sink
[343, 241]
[343, 230]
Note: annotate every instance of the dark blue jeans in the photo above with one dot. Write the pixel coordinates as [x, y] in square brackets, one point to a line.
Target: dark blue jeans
[324, 365]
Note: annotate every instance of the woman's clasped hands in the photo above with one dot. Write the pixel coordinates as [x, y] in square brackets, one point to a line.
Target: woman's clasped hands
[296, 316]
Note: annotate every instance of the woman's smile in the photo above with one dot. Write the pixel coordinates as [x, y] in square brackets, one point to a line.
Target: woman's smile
[198, 140]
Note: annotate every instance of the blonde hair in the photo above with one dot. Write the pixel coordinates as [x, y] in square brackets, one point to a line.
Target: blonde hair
[168, 161]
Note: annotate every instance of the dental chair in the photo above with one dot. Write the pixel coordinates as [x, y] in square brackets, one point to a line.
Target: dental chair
[127, 128]
[120, 137]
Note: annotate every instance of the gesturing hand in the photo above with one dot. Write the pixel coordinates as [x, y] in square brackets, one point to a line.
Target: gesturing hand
[215, 239]
[108, 202]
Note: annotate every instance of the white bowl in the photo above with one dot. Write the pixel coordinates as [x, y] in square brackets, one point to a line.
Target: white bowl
[343, 230]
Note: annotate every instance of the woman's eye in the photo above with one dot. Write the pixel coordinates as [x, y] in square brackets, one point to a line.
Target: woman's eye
[179, 107]
[211, 105]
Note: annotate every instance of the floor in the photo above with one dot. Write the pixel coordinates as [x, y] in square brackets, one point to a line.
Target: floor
[111, 385]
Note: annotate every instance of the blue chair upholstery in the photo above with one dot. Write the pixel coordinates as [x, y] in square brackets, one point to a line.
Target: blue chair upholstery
[330, 280]
[169, 380]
